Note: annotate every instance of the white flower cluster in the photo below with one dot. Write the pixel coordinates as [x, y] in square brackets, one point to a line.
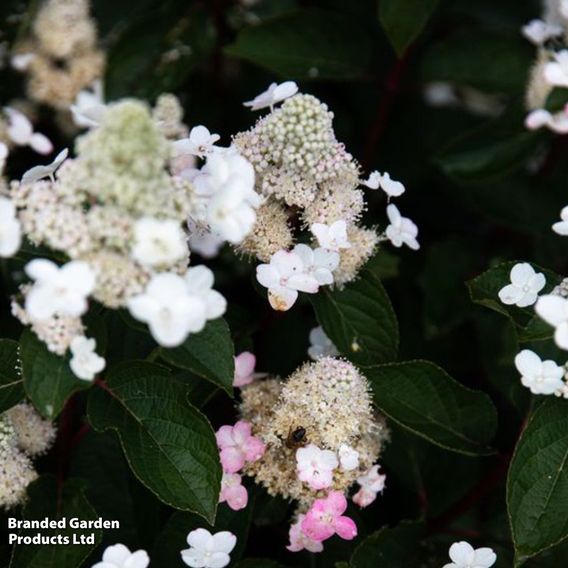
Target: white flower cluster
[302, 170]
[205, 550]
[118, 212]
[550, 72]
[541, 377]
[59, 55]
[23, 436]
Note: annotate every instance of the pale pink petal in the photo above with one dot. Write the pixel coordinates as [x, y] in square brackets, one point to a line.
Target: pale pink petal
[232, 459]
[224, 437]
[255, 449]
[345, 528]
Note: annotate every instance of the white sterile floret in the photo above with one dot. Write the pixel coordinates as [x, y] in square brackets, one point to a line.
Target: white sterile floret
[554, 311]
[199, 143]
[274, 94]
[226, 183]
[202, 240]
[21, 61]
[525, 286]
[391, 187]
[332, 237]
[541, 377]
[39, 172]
[174, 306]
[319, 263]
[348, 457]
[556, 72]
[561, 227]
[401, 231]
[285, 276]
[539, 118]
[208, 550]
[21, 132]
[10, 229]
[168, 309]
[85, 363]
[463, 555]
[119, 556]
[371, 483]
[199, 281]
[158, 242]
[58, 290]
[538, 32]
[315, 466]
[89, 107]
[321, 345]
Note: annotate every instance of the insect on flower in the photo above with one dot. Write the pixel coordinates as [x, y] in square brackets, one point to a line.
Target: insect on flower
[296, 438]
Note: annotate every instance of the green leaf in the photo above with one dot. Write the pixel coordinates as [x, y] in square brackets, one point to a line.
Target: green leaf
[490, 151]
[450, 60]
[484, 290]
[11, 382]
[47, 499]
[359, 320]
[557, 100]
[158, 49]
[48, 379]
[173, 537]
[307, 44]
[208, 354]
[404, 20]
[114, 492]
[424, 399]
[537, 484]
[389, 548]
[168, 443]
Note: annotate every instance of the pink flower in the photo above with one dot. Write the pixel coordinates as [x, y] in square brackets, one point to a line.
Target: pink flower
[325, 518]
[371, 483]
[315, 466]
[238, 446]
[299, 541]
[244, 369]
[233, 492]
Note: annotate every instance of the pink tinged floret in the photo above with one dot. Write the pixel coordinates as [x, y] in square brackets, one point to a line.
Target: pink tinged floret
[244, 369]
[299, 541]
[325, 518]
[237, 446]
[233, 492]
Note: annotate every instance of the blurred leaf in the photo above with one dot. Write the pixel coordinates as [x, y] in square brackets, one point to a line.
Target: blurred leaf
[113, 490]
[307, 44]
[389, 548]
[11, 383]
[484, 290]
[423, 398]
[208, 354]
[404, 20]
[359, 319]
[48, 379]
[158, 50]
[537, 484]
[556, 100]
[491, 150]
[47, 501]
[169, 444]
[450, 60]
[172, 539]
